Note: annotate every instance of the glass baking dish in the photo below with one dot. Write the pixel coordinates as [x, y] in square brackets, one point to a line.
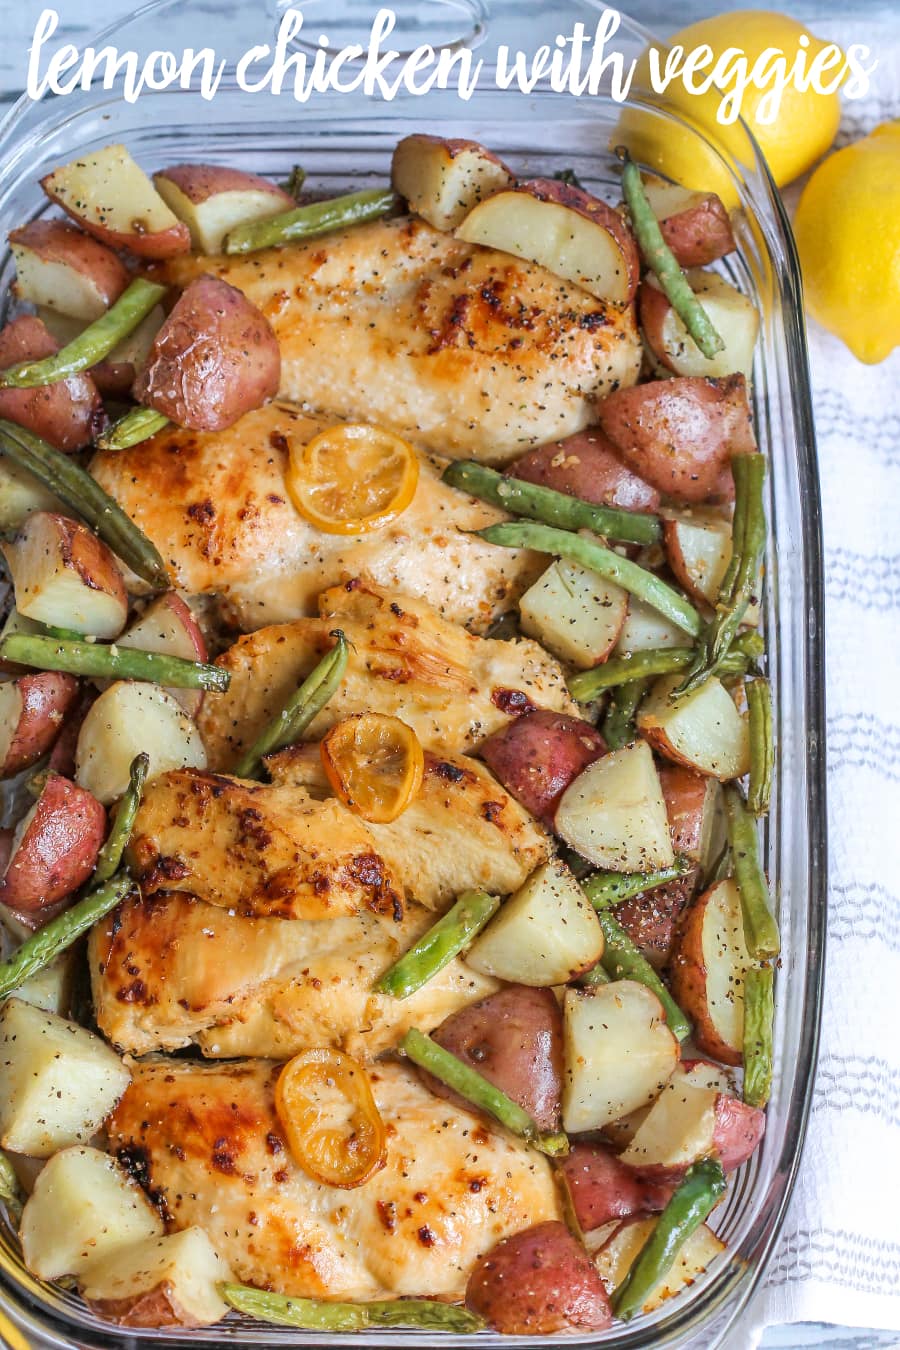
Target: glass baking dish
[345, 142]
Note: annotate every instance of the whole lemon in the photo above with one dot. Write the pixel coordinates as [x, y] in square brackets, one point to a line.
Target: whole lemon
[848, 234]
[802, 131]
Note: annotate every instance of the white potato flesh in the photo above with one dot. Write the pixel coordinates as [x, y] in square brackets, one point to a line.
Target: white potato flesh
[129, 717]
[668, 199]
[108, 191]
[58, 1081]
[21, 495]
[727, 961]
[699, 552]
[64, 576]
[135, 348]
[734, 318]
[166, 1280]
[574, 613]
[168, 626]
[443, 181]
[619, 1252]
[83, 1207]
[645, 630]
[51, 987]
[703, 729]
[614, 813]
[210, 220]
[545, 934]
[58, 285]
[619, 1053]
[567, 243]
[679, 1127]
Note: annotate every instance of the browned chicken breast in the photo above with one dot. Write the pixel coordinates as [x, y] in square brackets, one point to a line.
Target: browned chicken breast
[208, 1142]
[466, 351]
[172, 970]
[452, 688]
[462, 831]
[217, 507]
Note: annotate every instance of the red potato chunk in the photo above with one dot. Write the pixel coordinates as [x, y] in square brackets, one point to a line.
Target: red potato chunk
[515, 1040]
[68, 414]
[61, 266]
[214, 359]
[602, 1188]
[539, 1282]
[586, 465]
[32, 709]
[55, 848]
[538, 755]
[680, 434]
[651, 919]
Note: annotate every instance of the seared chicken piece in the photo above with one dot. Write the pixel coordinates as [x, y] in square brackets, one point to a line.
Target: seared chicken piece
[208, 1143]
[218, 509]
[270, 851]
[462, 832]
[172, 970]
[453, 689]
[467, 351]
[263, 851]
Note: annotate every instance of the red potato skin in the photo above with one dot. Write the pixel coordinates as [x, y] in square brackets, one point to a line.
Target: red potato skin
[62, 756]
[539, 1282]
[685, 794]
[46, 699]
[586, 465]
[68, 414]
[680, 434]
[57, 241]
[653, 309]
[198, 182]
[601, 1188]
[651, 919]
[700, 234]
[537, 756]
[687, 977]
[600, 212]
[58, 850]
[214, 359]
[514, 1039]
[739, 1130]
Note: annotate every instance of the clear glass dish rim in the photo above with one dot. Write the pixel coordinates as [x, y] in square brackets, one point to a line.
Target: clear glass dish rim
[729, 1292]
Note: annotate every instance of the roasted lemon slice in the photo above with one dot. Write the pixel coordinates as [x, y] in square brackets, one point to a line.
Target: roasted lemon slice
[323, 1099]
[374, 763]
[352, 478]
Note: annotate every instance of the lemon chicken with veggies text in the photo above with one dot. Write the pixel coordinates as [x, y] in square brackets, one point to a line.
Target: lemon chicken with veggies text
[382, 697]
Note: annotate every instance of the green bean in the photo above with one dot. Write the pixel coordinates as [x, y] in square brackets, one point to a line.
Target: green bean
[544, 504]
[596, 975]
[93, 344]
[697, 1195]
[301, 709]
[46, 944]
[439, 945]
[450, 1070]
[759, 1018]
[293, 184]
[314, 1314]
[760, 928]
[306, 222]
[762, 750]
[618, 723]
[84, 495]
[607, 889]
[98, 660]
[110, 856]
[588, 685]
[10, 1190]
[742, 577]
[661, 259]
[136, 426]
[607, 564]
[623, 961]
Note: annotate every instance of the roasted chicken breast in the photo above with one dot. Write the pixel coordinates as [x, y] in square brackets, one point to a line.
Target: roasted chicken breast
[451, 687]
[467, 351]
[170, 970]
[217, 507]
[207, 1141]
